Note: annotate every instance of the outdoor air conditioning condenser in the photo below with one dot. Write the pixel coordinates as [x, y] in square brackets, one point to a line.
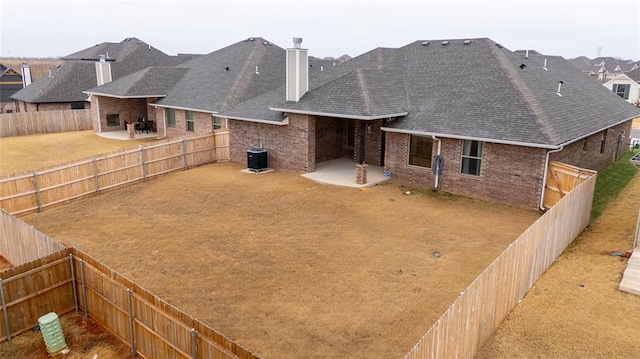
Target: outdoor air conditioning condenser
[257, 159]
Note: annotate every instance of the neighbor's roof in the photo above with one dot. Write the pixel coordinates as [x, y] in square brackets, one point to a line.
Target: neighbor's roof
[68, 80]
[634, 75]
[472, 90]
[150, 82]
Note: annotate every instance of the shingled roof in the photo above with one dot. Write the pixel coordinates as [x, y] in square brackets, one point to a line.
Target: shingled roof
[150, 82]
[77, 73]
[463, 89]
[212, 82]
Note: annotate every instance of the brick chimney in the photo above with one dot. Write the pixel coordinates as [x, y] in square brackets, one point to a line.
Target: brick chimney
[297, 71]
[26, 75]
[103, 71]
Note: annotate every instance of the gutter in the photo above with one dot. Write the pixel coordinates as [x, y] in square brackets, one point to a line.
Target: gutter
[544, 176]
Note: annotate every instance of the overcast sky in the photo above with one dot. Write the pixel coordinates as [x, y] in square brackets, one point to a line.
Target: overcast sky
[328, 28]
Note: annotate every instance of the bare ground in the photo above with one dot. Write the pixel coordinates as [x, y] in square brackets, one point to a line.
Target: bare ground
[30, 153]
[289, 268]
[84, 338]
[575, 310]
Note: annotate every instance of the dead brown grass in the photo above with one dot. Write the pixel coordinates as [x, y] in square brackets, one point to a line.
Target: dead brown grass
[84, 337]
[575, 310]
[29, 153]
[38, 67]
[289, 268]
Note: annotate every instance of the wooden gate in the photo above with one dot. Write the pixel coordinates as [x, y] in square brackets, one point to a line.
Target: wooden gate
[562, 179]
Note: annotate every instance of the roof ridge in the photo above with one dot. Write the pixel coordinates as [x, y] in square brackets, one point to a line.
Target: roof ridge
[364, 95]
[524, 93]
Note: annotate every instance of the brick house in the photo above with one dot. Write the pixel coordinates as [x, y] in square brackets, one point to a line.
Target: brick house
[492, 117]
[62, 88]
[187, 97]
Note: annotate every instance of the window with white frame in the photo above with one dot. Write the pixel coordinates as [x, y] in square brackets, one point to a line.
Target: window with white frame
[420, 151]
[170, 115]
[622, 90]
[218, 123]
[190, 123]
[471, 157]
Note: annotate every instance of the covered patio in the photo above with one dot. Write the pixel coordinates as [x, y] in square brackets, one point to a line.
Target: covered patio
[342, 172]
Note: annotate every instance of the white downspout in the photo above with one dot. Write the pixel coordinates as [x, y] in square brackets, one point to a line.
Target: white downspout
[544, 176]
[164, 119]
[437, 154]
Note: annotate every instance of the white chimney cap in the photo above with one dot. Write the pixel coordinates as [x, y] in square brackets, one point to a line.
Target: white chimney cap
[297, 42]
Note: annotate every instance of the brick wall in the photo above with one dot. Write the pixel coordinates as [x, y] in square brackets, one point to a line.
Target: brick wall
[201, 121]
[509, 174]
[373, 142]
[130, 110]
[289, 148]
[329, 138]
[586, 153]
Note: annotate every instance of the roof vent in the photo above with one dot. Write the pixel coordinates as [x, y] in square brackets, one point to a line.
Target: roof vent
[257, 72]
[297, 42]
[445, 43]
[559, 87]
[522, 66]
[466, 42]
[499, 46]
[425, 43]
[250, 39]
[226, 68]
[526, 54]
[545, 65]
[265, 43]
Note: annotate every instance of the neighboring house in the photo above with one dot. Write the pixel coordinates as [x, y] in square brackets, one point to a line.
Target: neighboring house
[10, 83]
[62, 87]
[187, 97]
[626, 86]
[604, 68]
[494, 118]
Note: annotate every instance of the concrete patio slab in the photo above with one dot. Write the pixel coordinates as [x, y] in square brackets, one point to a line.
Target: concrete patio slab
[342, 172]
[123, 135]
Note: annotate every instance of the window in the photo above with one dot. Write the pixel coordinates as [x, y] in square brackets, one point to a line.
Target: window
[170, 116]
[77, 105]
[622, 90]
[190, 123]
[218, 123]
[471, 157]
[113, 119]
[420, 151]
[603, 142]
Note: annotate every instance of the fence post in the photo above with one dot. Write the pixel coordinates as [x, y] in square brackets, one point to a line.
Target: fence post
[35, 181]
[95, 175]
[131, 332]
[84, 288]
[73, 282]
[4, 310]
[144, 163]
[184, 151]
[194, 344]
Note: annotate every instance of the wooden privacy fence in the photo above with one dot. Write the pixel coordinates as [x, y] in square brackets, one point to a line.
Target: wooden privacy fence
[562, 179]
[480, 309]
[20, 243]
[36, 122]
[70, 279]
[35, 191]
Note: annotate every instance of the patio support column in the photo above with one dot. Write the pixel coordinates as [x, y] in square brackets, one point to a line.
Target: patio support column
[363, 136]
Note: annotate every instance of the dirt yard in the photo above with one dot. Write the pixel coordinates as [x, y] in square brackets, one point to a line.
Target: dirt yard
[575, 310]
[21, 154]
[290, 268]
[84, 338]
